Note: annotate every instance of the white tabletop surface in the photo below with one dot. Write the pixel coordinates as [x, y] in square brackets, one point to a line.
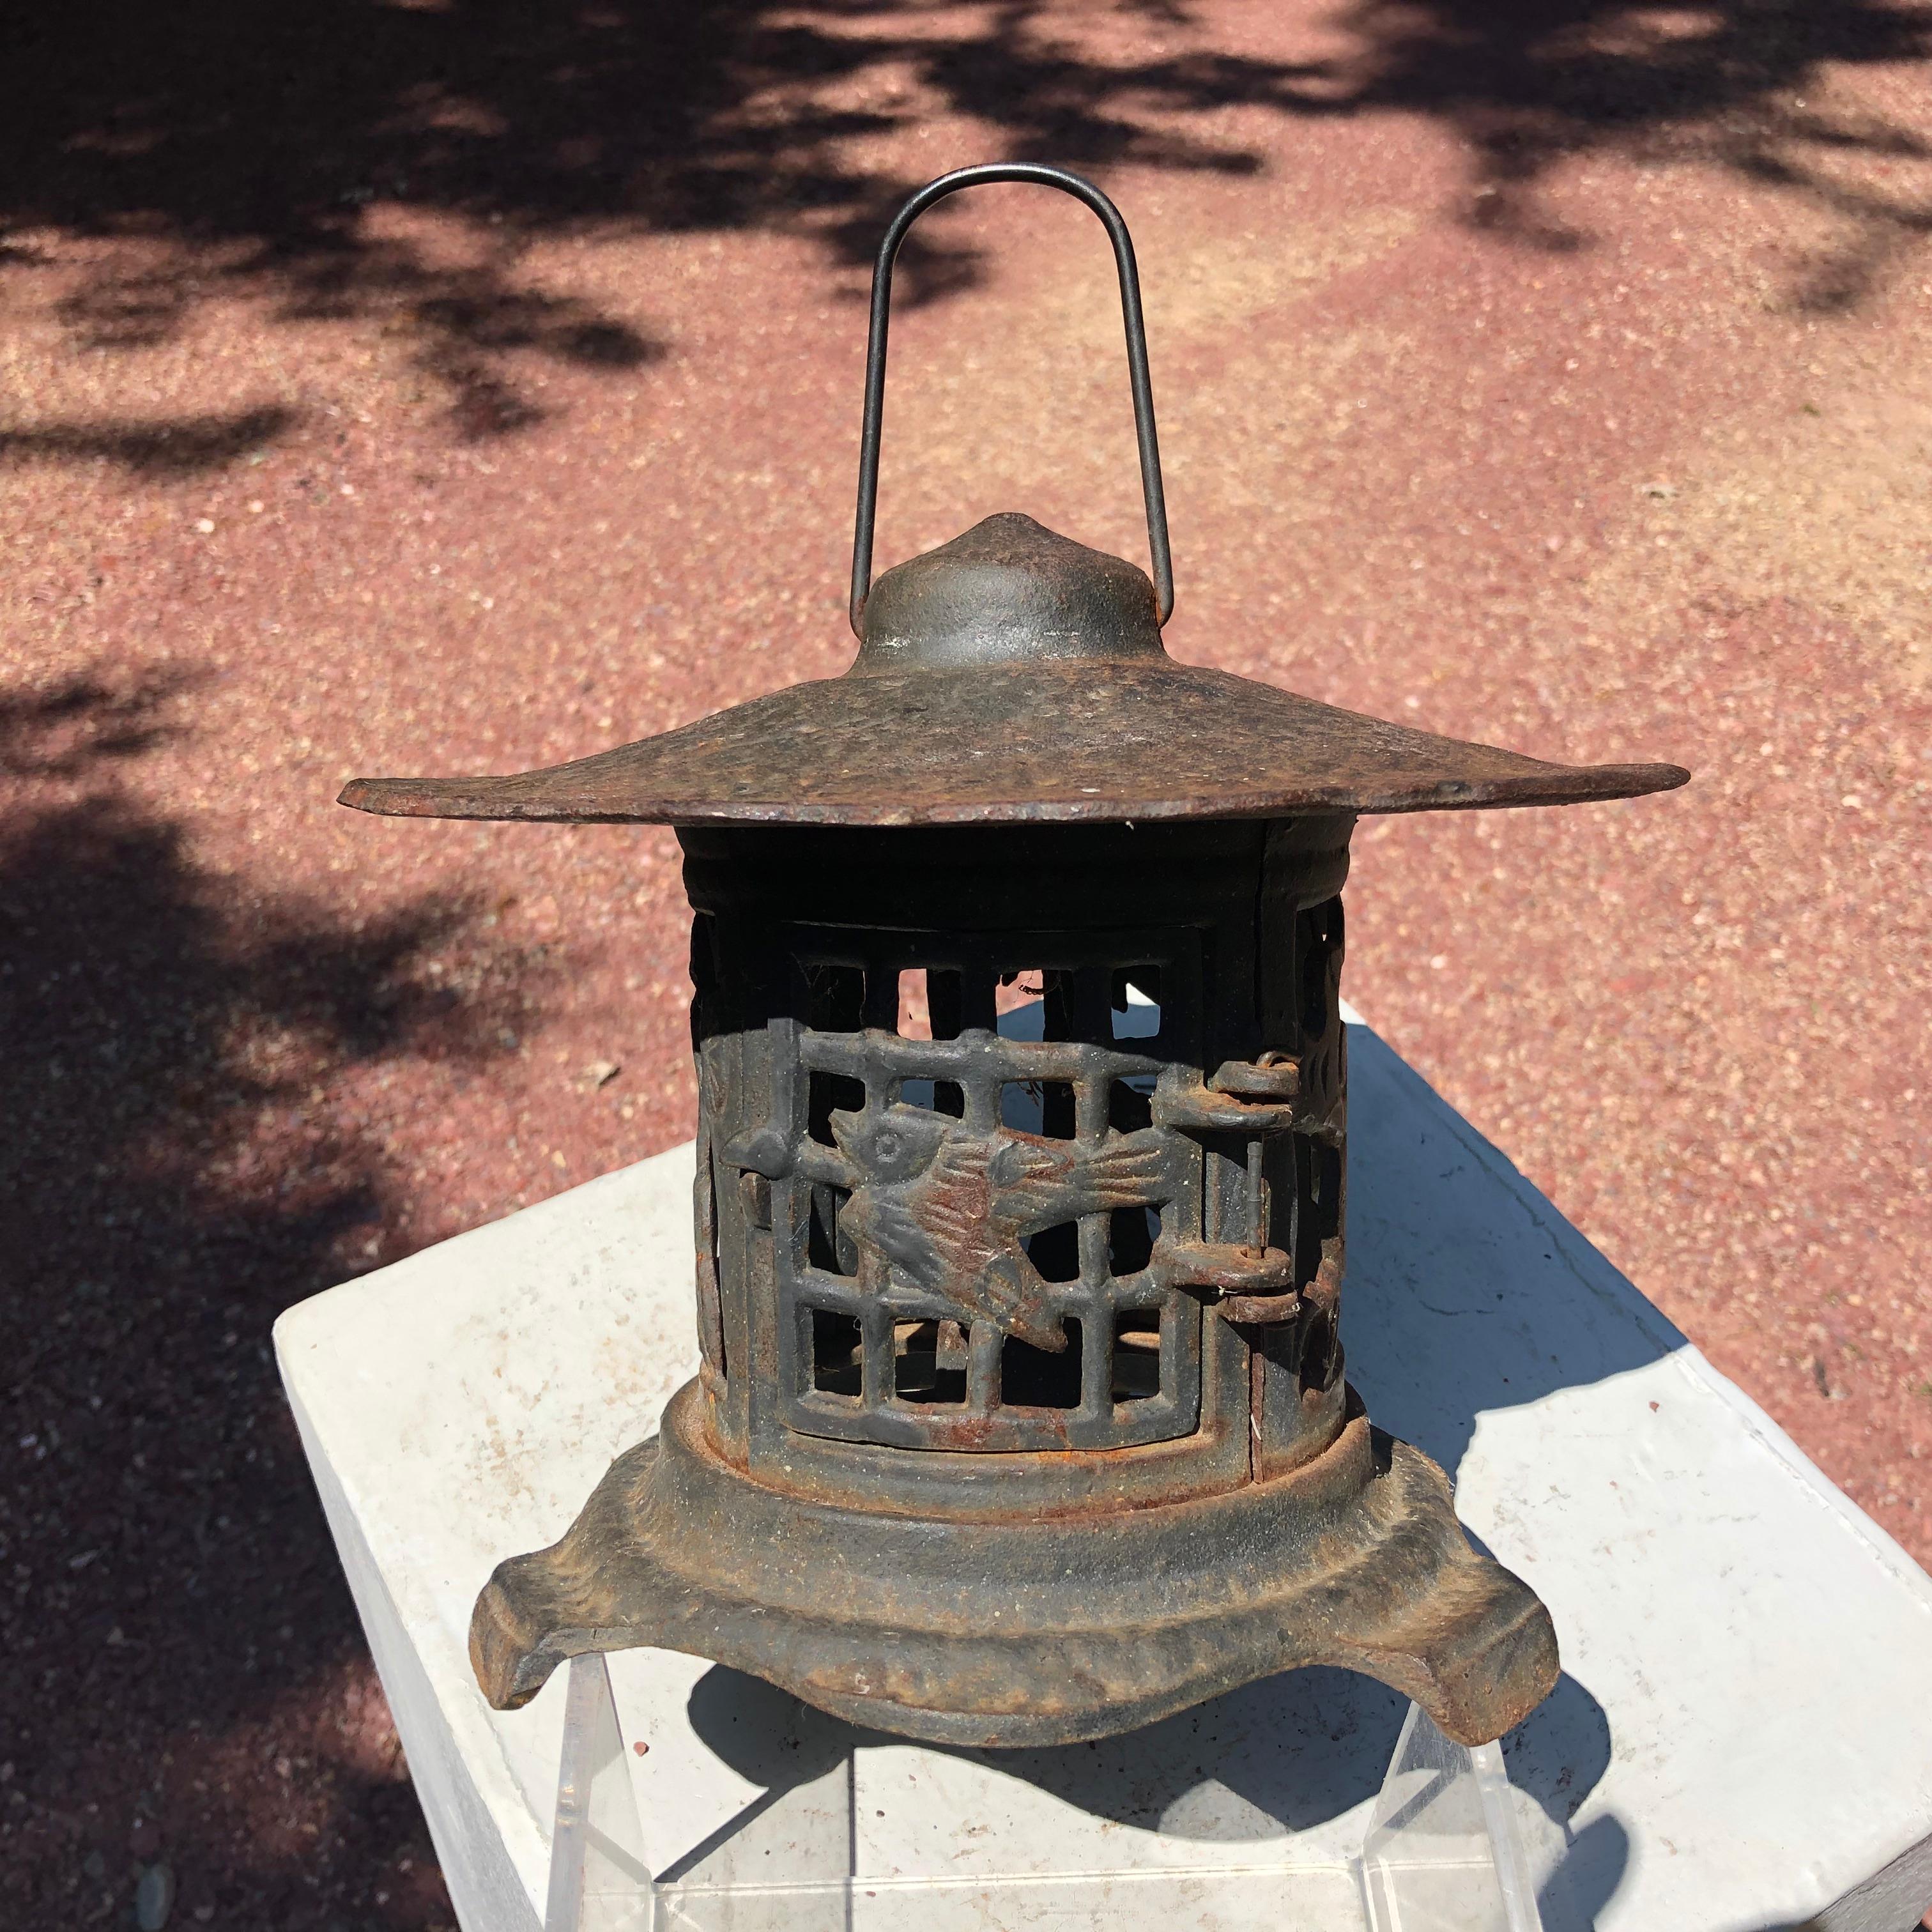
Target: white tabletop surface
[1740, 1741]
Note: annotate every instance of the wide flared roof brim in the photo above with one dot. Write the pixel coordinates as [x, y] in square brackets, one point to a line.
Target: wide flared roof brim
[1018, 743]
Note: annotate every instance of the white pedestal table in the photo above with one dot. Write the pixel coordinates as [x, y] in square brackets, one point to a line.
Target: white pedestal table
[1742, 1740]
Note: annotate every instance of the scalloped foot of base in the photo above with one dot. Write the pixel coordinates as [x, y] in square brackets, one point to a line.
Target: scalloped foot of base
[1030, 1633]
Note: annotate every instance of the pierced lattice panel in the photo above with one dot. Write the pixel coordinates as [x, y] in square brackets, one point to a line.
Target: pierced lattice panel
[963, 1249]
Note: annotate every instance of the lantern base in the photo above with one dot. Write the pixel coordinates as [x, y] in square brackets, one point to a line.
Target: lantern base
[1039, 1630]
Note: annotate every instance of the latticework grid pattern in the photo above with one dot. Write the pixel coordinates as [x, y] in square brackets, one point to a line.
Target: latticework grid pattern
[875, 1356]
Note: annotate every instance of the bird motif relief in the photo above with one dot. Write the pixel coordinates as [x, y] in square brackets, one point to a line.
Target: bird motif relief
[946, 1208]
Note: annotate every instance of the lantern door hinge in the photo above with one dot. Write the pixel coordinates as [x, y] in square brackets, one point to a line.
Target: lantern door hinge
[1273, 1076]
[1224, 1266]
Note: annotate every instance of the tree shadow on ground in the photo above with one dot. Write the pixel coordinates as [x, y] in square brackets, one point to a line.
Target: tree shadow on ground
[169, 1181]
[1528, 85]
[228, 148]
[184, 447]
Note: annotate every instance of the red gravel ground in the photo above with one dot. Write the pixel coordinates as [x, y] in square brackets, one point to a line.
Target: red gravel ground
[444, 386]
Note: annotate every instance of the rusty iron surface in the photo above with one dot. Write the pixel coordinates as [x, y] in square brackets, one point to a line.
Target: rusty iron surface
[947, 1208]
[936, 1232]
[1355, 1559]
[1007, 591]
[1013, 675]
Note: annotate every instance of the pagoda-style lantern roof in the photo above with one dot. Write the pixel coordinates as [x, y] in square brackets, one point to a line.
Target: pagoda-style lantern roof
[1008, 677]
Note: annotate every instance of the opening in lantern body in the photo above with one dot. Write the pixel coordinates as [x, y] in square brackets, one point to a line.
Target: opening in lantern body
[1021, 1183]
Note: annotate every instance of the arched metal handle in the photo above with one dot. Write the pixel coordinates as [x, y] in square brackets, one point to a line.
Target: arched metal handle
[1137, 365]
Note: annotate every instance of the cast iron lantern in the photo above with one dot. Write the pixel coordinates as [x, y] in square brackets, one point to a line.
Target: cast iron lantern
[1022, 1417]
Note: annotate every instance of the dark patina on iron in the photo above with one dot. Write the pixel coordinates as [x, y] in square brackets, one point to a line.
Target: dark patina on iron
[1022, 1417]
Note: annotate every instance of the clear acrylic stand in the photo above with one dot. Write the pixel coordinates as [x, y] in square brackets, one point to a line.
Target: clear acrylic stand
[785, 1864]
[1442, 1853]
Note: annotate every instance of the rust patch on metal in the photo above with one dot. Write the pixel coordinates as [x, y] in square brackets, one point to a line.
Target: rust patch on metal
[1007, 744]
[946, 1208]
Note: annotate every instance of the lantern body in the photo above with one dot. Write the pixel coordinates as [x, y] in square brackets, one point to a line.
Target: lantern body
[970, 1244]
